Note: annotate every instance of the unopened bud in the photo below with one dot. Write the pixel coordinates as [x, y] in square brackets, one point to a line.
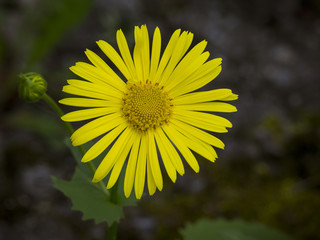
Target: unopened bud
[32, 86]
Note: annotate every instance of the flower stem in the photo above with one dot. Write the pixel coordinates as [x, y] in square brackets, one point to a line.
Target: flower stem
[58, 110]
[70, 129]
[112, 231]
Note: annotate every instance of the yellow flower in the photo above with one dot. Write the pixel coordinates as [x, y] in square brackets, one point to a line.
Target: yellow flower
[151, 112]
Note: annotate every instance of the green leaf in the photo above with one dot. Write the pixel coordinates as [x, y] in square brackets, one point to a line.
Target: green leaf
[230, 230]
[76, 154]
[88, 198]
[120, 189]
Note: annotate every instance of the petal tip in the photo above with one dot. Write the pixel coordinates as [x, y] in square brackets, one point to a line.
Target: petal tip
[138, 196]
[94, 180]
[127, 193]
[63, 118]
[85, 159]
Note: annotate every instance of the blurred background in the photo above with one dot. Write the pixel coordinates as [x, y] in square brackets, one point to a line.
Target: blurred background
[269, 171]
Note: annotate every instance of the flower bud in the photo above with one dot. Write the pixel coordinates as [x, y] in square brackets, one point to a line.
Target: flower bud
[32, 86]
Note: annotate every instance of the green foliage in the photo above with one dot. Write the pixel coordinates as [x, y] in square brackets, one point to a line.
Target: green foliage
[86, 197]
[62, 16]
[230, 230]
[89, 198]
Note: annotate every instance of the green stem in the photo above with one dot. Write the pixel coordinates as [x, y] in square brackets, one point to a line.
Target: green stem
[114, 197]
[112, 231]
[58, 110]
[70, 129]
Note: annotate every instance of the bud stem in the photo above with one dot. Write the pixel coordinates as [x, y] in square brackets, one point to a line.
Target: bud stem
[70, 129]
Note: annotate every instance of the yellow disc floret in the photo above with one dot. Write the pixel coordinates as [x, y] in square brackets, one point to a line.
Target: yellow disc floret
[146, 106]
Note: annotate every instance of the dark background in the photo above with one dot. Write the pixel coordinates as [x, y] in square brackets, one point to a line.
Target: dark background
[269, 171]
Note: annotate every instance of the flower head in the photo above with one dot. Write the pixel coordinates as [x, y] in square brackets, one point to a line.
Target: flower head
[32, 86]
[152, 112]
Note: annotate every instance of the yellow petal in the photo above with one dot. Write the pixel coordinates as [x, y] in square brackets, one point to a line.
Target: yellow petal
[111, 157]
[190, 63]
[96, 128]
[86, 114]
[97, 76]
[131, 167]
[125, 53]
[171, 151]
[154, 161]
[88, 102]
[150, 178]
[137, 54]
[166, 55]
[155, 53]
[84, 93]
[114, 79]
[199, 123]
[187, 43]
[205, 96]
[141, 53]
[141, 168]
[146, 52]
[202, 135]
[103, 143]
[120, 161]
[205, 117]
[209, 107]
[86, 71]
[202, 76]
[182, 147]
[115, 58]
[184, 70]
[166, 159]
[99, 88]
[195, 144]
[230, 97]
[179, 50]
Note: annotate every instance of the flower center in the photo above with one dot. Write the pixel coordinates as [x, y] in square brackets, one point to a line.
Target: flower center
[146, 106]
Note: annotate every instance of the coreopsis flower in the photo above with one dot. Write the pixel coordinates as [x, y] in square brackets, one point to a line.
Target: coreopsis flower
[151, 113]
